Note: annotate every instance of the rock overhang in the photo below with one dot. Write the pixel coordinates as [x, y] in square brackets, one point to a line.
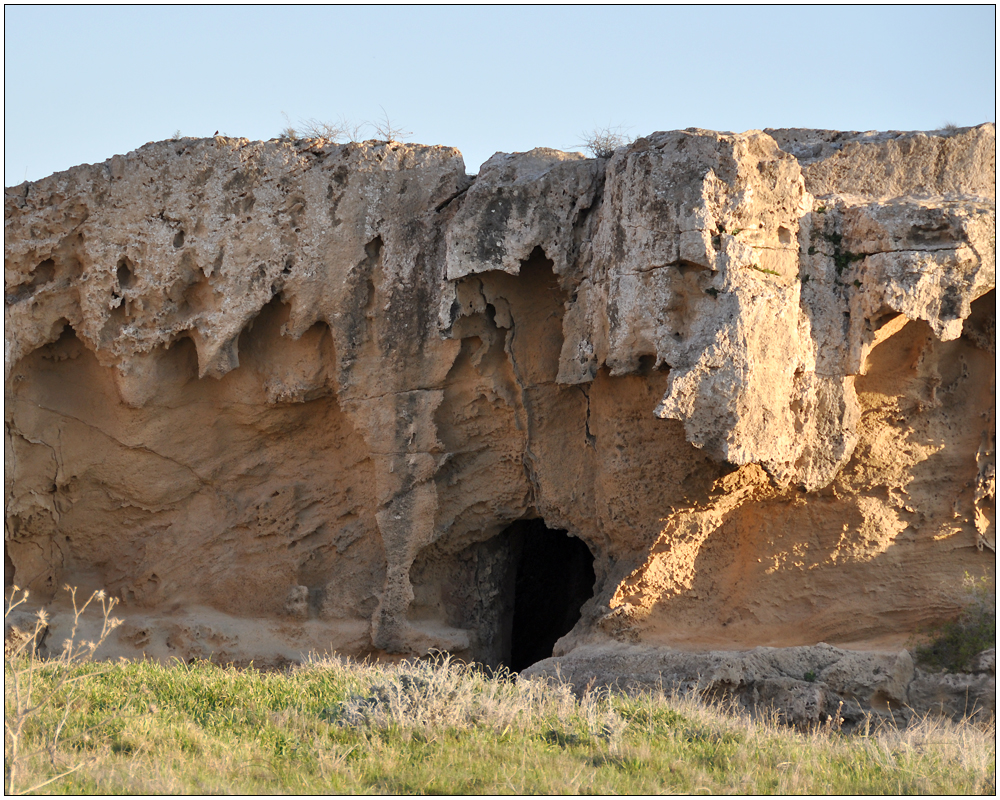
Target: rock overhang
[468, 344]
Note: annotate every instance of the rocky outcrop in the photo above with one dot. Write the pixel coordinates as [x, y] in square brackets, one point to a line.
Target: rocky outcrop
[805, 686]
[280, 396]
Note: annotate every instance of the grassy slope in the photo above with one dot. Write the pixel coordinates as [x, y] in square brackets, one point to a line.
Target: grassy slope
[336, 728]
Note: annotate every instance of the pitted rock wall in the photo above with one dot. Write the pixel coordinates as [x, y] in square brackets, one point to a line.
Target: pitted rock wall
[280, 396]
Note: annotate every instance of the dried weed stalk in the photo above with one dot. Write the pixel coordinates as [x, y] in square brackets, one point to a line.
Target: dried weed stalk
[24, 668]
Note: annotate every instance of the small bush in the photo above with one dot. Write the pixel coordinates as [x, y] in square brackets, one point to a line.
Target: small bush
[957, 642]
[342, 131]
[288, 132]
[602, 142]
[386, 131]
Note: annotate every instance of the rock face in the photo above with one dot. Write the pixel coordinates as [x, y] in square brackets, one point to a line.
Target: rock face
[716, 391]
[806, 686]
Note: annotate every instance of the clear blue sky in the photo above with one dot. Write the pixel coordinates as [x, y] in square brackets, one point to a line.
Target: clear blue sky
[83, 83]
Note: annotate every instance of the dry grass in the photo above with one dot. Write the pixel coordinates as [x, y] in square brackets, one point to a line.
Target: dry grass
[332, 726]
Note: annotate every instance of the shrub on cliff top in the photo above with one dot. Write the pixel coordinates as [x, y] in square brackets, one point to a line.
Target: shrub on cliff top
[343, 130]
[602, 142]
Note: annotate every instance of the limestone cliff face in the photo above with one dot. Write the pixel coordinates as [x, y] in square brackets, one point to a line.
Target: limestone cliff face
[289, 395]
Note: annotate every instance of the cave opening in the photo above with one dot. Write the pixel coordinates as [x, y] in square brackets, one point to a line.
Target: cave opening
[553, 578]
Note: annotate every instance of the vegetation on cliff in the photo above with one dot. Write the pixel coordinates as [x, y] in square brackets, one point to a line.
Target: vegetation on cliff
[955, 643]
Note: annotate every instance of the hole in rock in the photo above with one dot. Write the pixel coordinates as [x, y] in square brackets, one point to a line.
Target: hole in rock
[44, 273]
[647, 364]
[124, 274]
[553, 578]
[516, 593]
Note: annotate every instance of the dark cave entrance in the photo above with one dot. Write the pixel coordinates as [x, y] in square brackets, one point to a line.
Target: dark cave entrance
[553, 578]
[516, 593]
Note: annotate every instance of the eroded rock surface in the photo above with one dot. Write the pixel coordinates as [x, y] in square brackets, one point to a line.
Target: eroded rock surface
[805, 686]
[281, 396]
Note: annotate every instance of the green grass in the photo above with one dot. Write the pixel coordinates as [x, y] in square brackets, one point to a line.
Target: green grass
[334, 727]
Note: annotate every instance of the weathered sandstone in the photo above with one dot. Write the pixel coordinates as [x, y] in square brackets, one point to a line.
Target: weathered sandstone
[804, 685]
[281, 396]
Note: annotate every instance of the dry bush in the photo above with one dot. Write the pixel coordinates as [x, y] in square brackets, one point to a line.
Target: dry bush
[386, 131]
[602, 142]
[343, 130]
[289, 131]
